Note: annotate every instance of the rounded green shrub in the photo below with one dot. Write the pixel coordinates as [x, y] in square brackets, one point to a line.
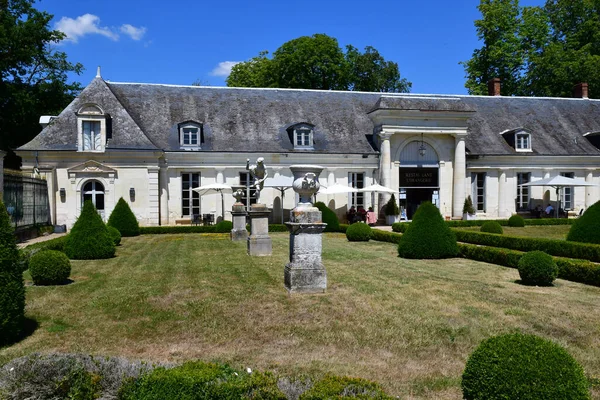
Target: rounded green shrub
[428, 236]
[198, 380]
[516, 221]
[359, 232]
[335, 387]
[49, 267]
[525, 367]
[114, 234]
[124, 220]
[329, 217]
[224, 226]
[12, 289]
[586, 229]
[492, 227]
[89, 238]
[537, 268]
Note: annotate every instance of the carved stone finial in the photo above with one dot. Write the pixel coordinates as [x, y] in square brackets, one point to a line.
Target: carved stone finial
[98, 75]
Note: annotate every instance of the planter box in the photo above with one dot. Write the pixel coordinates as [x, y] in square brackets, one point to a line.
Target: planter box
[469, 217]
[391, 219]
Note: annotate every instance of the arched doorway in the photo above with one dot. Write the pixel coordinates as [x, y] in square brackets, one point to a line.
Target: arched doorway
[418, 176]
[94, 191]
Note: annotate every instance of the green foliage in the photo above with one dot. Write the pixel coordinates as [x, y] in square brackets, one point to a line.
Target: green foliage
[586, 229]
[492, 227]
[491, 255]
[428, 236]
[400, 227]
[318, 62]
[79, 384]
[114, 234]
[49, 267]
[383, 236]
[89, 238]
[403, 226]
[335, 387]
[536, 51]
[27, 252]
[33, 74]
[468, 206]
[124, 220]
[198, 380]
[224, 227]
[537, 268]
[391, 207]
[359, 232]
[329, 217]
[516, 221]
[554, 247]
[525, 367]
[12, 290]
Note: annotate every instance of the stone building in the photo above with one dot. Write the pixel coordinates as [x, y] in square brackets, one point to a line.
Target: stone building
[152, 143]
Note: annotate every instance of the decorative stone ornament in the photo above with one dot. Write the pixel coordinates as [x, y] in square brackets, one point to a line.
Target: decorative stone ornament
[238, 214]
[305, 272]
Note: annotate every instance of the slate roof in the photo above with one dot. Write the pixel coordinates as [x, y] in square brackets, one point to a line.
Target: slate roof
[146, 116]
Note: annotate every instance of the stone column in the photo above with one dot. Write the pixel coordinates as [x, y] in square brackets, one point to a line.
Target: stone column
[164, 194]
[589, 190]
[259, 241]
[460, 170]
[385, 168]
[502, 193]
[222, 210]
[238, 215]
[153, 196]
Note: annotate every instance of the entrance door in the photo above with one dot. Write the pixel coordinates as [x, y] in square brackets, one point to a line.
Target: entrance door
[414, 198]
[94, 191]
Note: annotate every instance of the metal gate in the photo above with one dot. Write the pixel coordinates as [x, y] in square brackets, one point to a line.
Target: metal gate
[26, 200]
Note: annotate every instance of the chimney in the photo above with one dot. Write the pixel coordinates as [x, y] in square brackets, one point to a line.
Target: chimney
[580, 91]
[494, 87]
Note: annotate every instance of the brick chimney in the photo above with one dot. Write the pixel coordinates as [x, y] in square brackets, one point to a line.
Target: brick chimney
[494, 87]
[580, 91]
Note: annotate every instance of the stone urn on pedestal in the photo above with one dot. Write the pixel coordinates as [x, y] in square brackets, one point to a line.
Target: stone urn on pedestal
[305, 272]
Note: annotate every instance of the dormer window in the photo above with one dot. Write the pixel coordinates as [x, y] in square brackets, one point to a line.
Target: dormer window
[519, 139]
[190, 136]
[302, 136]
[91, 128]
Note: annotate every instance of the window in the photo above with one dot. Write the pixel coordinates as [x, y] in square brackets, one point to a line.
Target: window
[92, 128]
[246, 182]
[302, 136]
[190, 135]
[523, 191]
[92, 138]
[94, 191]
[567, 200]
[356, 180]
[522, 141]
[478, 190]
[190, 199]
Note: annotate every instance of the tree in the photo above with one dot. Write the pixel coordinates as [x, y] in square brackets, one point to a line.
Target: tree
[318, 62]
[33, 75]
[537, 51]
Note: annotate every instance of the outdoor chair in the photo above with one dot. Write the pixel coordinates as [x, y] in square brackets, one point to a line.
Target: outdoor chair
[195, 219]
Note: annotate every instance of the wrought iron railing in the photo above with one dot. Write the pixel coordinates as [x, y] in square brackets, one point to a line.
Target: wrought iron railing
[26, 200]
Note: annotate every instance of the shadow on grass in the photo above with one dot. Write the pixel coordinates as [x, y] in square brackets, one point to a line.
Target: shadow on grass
[523, 283]
[30, 325]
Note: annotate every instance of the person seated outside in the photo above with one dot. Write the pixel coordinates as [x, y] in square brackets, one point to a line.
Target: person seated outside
[549, 210]
[351, 216]
[371, 217]
[361, 214]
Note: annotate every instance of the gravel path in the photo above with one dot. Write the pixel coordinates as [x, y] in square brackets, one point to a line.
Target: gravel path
[40, 239]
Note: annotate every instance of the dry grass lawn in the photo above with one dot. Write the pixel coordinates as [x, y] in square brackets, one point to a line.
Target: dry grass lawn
[408, 324]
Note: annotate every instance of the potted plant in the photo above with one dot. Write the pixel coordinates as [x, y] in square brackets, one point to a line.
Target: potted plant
[391, 211]
[468, 209]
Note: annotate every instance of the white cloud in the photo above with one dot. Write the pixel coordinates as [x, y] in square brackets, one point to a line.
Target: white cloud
[133, 32]
[87, 24]
[224, 68]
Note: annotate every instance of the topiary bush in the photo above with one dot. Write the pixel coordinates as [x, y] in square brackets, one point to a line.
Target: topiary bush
[492, 227]
[586, 228]
[198, 380]
[516, 221]
[114, 234]
[335, 387]
[12, 289]
[89, 238]
[537, 268]
[468, 206]
[391, 207]
[359, 232]
[124, 220]
[524, 367]
[428, 236]
[49, 267]
[224, 226]
[329, 217]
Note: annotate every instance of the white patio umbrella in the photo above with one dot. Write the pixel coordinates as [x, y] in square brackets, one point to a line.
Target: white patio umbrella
[558, 182]
[281, 183]
[337, 188]
[377, 188]
[215, 188]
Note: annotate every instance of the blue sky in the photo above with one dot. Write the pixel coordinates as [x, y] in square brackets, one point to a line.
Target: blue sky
[179, 42]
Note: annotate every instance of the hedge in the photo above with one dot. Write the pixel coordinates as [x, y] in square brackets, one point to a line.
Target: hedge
[49, 267]
[52, 244]
[402, 226]
[359, 232]
[158, 230]
[553, 247]
[384, 236]
[336, 387]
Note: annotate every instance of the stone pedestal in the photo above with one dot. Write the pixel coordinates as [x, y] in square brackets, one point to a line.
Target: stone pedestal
[305, 272]
[259, 242]
[239, 232]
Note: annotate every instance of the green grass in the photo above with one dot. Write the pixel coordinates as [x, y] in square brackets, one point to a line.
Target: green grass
[541, 231]
[408, 324]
